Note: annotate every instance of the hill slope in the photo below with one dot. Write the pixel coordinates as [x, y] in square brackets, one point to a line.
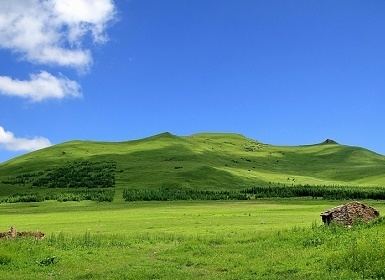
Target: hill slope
[204, 161]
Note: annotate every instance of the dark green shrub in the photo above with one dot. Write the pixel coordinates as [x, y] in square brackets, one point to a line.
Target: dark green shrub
[5, 260]
[48, 261]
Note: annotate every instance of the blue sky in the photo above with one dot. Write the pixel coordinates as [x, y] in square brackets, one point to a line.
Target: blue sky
[282, 72]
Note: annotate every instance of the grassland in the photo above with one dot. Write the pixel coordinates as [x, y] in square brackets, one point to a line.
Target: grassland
[250, 239]
[261, 239]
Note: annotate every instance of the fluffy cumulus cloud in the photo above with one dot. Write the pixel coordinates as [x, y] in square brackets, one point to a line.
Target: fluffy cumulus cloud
[9, 142]
[40, 86]
[52, 31]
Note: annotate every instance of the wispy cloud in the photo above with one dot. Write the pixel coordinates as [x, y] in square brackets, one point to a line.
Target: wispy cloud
[9, 142]
[39, 87]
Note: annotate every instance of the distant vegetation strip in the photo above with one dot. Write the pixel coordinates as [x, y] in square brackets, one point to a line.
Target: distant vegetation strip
[164, 194]
[170, 194]
[325, 192]
[94, 195]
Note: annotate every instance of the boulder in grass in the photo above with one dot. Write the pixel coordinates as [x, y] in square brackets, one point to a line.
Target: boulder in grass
[350, 213]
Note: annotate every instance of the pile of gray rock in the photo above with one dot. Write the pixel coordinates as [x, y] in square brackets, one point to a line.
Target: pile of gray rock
[350, 213]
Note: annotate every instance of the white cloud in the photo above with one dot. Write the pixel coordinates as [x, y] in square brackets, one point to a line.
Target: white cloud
[11, 143]
[39, 87]
[54, 31]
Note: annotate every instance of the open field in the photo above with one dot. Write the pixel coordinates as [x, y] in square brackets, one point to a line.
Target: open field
[190, 218]
[260, 239]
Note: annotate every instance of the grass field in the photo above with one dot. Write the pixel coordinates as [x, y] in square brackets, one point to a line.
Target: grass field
[190, 218]
[261, 239]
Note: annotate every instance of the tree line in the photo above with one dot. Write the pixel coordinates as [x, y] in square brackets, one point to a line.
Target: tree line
[279, 191]
[94, 195]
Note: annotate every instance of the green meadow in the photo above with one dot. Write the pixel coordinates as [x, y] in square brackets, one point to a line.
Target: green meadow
[260, 239]
[174, 217]
[204, 206]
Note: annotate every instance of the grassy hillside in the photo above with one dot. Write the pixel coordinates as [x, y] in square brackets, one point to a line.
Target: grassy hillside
[209, 161]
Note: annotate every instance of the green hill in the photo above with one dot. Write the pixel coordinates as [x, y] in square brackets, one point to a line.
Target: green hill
[206, 161]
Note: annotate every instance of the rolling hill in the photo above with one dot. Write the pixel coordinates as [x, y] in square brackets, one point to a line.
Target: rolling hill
[206, 161]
